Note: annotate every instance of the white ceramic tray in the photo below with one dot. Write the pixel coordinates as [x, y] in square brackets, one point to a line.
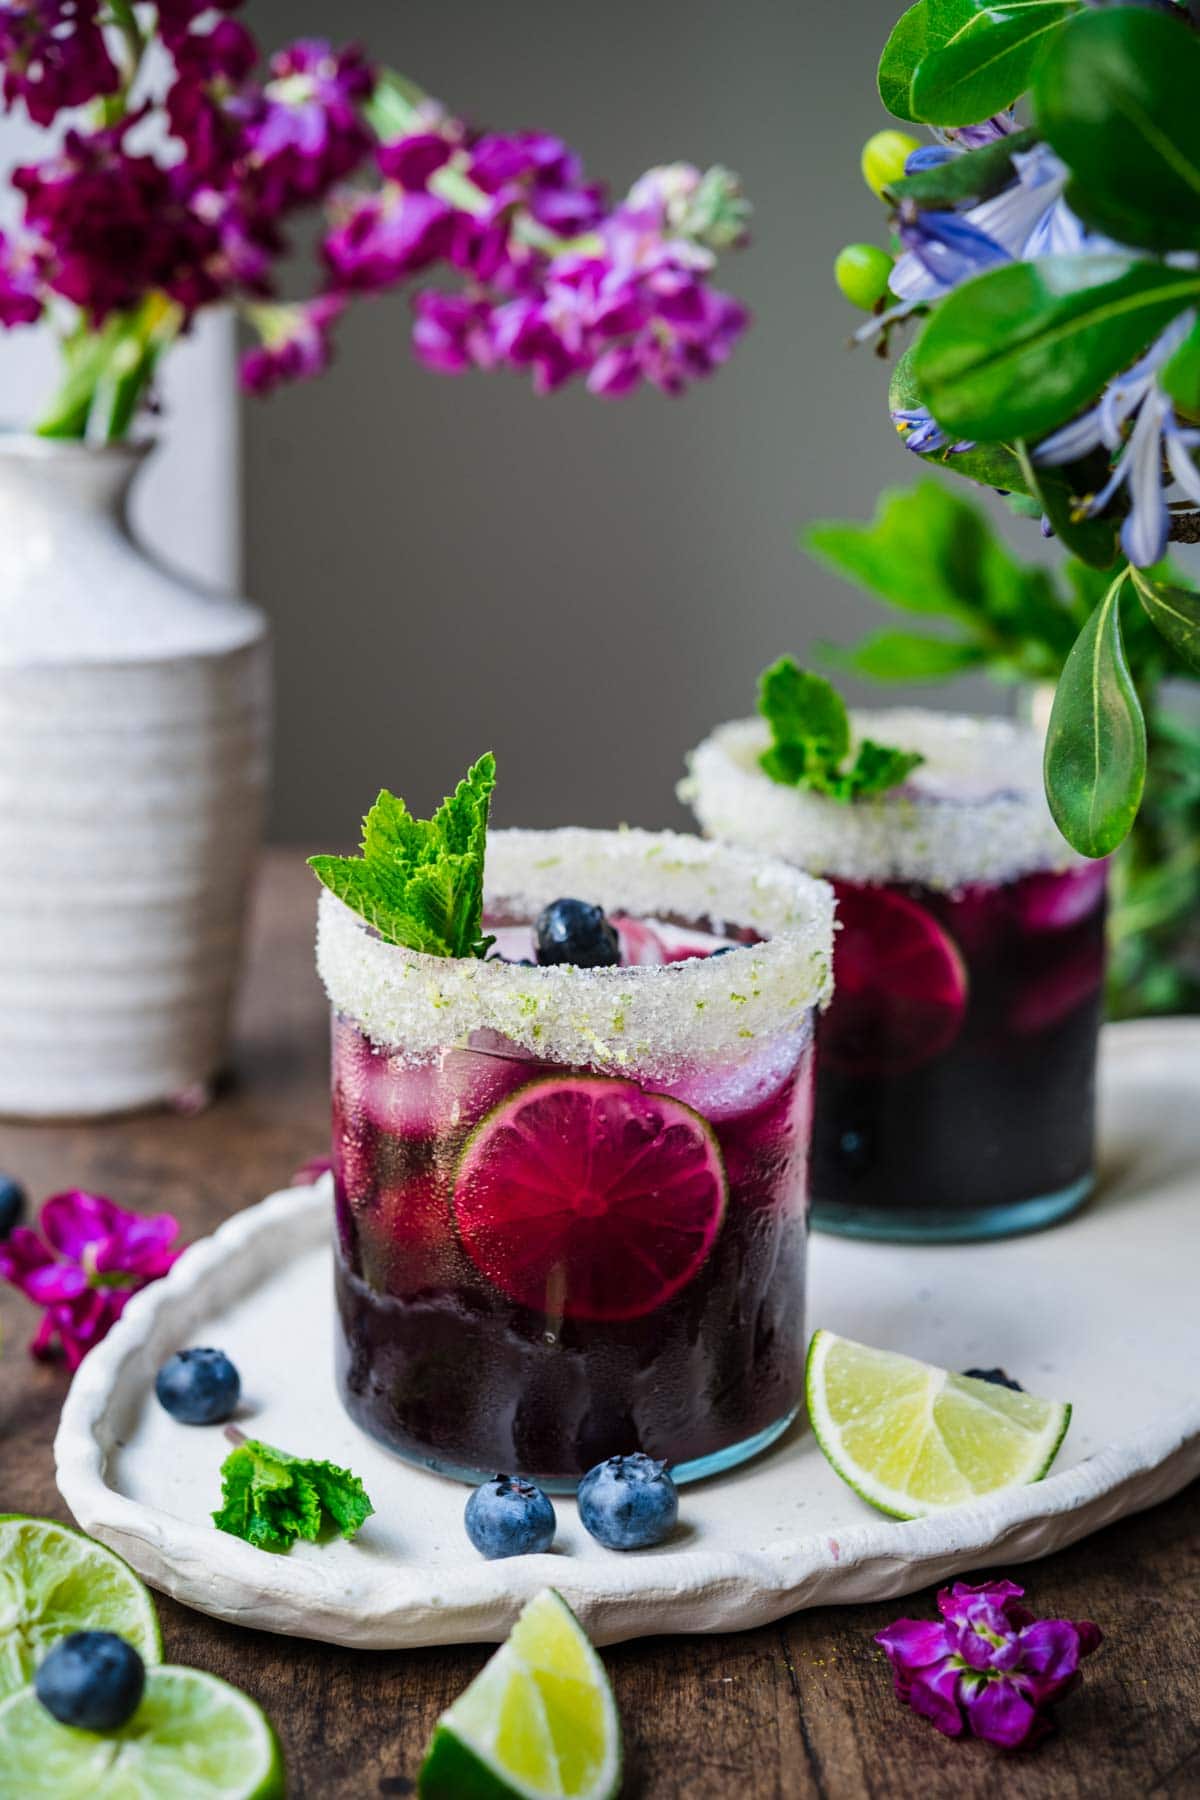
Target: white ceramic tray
[1101, 1311]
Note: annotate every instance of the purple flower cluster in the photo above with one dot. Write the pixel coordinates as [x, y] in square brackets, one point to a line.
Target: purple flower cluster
[544, 277]
[54, 56]
[107, 223]
[552, 283]
[91, 1258]
[987, 1666]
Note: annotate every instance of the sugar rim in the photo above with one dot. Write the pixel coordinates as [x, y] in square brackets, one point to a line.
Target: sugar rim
[974, 811]
[660, 1020]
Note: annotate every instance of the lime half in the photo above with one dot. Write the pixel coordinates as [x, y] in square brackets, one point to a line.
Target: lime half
[914, 1439]
[538, 1722]
[192, 1738]
[54, 1580]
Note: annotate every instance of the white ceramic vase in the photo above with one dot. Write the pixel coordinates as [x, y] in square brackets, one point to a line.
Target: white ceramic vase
[134, 721]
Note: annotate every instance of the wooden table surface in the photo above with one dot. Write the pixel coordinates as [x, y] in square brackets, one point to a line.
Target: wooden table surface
[801, 1708]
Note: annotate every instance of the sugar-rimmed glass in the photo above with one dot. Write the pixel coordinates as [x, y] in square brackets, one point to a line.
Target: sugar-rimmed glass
[956, 1064]
[571, 1203]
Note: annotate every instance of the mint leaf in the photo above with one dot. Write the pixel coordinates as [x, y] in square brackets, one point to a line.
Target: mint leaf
[811, 731]
[804, 708]
[419, 882]
[878, 767]
[270, 1498]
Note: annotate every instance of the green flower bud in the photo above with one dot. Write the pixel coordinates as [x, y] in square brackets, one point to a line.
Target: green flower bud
[863, 271]
[883, 159]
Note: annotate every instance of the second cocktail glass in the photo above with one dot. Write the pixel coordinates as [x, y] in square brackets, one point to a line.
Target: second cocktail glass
[572, 1203]
[956, 1065]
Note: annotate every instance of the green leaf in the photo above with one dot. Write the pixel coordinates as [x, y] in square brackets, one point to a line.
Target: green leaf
[1175, 614]
[875, 769]
[394, 108]
[929, 551]
[908, 656]
[804, 708]
[1180, 375]
[419, 882]
[1117, 96]
[270, 1498]
[811, 731]
[992, 465]
[976, 175]
[1096, 743]
[1017, 351]
[920, 552]
[1060, 489]
[912, 37]
[986, 63]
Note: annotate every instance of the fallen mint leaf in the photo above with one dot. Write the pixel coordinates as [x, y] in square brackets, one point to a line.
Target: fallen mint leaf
[270, 1498]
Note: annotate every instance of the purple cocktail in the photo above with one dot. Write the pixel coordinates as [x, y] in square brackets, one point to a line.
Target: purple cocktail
[572, 1202]
[956, 1063]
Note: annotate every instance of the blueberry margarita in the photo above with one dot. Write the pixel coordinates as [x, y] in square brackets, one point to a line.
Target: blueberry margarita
[956, 1064]
[571, 1199]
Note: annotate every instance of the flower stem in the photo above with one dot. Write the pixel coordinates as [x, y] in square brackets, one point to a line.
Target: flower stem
[107, 371]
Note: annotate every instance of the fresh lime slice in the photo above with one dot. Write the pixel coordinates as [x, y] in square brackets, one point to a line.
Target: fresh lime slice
[538, 1722]
[192, 1738]
[913, 1439]
[54, 1580]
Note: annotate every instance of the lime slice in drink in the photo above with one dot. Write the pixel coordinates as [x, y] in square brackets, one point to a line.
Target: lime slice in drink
[537, 1723]
[53, 1581]
[913, 1439]
[193, 1737]
[585, 1196]
[900, 985]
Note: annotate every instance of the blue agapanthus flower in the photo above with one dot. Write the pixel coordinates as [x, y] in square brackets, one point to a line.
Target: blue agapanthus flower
[1136, 418]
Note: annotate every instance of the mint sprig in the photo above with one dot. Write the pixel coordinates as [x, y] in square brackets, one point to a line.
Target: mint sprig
[810, 731]
[419, 882]
[270, 1498]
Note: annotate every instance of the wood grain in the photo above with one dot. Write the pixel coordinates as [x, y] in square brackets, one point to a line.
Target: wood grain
[802, 1710]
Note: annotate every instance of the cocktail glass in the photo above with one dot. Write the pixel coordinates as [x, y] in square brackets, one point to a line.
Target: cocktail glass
[956, 1064]
[572, 1203]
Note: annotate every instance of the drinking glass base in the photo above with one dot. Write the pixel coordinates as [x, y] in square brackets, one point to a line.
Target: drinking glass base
[696, 1470]
[950, 1225]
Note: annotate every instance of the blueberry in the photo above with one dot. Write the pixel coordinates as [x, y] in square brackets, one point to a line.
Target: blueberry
[723, 951]
[198, 1387]
[12, 1204]
[92, 1679]
[571, 931]
[996, 1376]
[628, 1502]
[509, 1516]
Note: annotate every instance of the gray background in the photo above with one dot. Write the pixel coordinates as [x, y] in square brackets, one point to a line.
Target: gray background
[583, 586]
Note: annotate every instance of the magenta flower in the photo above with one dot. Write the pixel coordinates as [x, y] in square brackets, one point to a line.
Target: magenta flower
[386, 237]
[208, 102]
[94, 1256]
[54, 56]
[540, 173]
[297, 342]
[308, 132]
[20, 296]
[176, 17]
[108, 226]
[988, 1667]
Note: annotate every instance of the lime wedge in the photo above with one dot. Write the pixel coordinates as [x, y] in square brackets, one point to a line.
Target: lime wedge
[192, 1738]
[538, 1722]
[914, 1439]
[53, 1580]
